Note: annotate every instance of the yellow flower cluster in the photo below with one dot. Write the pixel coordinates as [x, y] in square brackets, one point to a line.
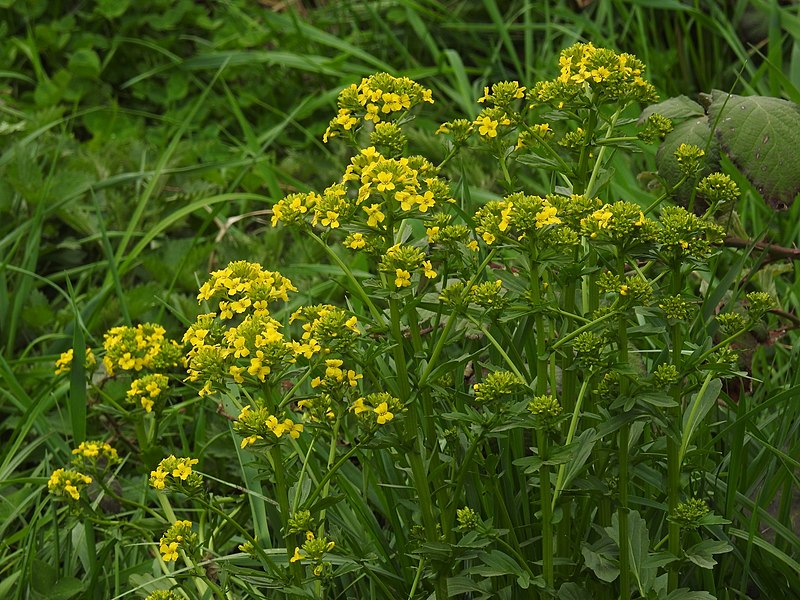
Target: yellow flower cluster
[514, 218]
[377, 97]
[259, 425]
[374, 194]
[377, 408]
[178, 537]
[243, 286]
[68, 483]
[621, 222]
[144, 391]
[589, 73]
[489, 120]
[175, 471]
[326, 328]
[64, 362]
[401, 260]
[92, 452]
[142, 347]
[336, 377]
[314, 550]
[253, 348]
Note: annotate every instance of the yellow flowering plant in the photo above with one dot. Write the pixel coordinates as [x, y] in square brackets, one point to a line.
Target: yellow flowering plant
[490, 393]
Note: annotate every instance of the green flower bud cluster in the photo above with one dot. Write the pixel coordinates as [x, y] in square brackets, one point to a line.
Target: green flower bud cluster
[675, 308]
[301, 521]
[468, 519]
[656, 126]
[496, 386]
[588, 348]
[758, 304]
[666, 375]
[546, 407]
[731, 323]
[689, 513]
[717, 189]
[690, 158]
[489, 294]
[574, 140]
[459, 130]
[685, 234]
[453, 294]
[389, 139]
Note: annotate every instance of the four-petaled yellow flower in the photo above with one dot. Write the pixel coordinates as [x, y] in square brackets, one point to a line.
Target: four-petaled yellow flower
[402, 279]
[384, 416]
[374, 214]
[488, 127]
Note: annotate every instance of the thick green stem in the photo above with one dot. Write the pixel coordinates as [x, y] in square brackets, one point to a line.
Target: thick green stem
[282, 493]
[547, 511]
[673, 460]
[437, 349]
[623, 446]
[573, 425]
[416, 457]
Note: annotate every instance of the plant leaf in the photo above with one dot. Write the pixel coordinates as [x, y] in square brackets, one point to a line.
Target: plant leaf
[761, 136]
[699, 406]
[702, 554]
[679, 108]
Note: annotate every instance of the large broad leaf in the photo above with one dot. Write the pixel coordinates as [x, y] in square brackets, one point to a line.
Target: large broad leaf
[678, 109]
[761, 135]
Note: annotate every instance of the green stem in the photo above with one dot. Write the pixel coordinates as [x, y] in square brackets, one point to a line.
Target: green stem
[673, 458]
[624, 449]
[437, 349]
[547, 510]
[376, 314]
[573, 425]
[312, 497]
[538, 319]
[282, 493]
[598, 163]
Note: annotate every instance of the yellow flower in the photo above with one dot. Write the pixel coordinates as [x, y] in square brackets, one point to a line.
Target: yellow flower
[297, 556]
[402, 279]
[547, 216]
[169, 551]
[385, 182]
[374, 215]
[488, 127]
[428, 269]
[488, 238]
[384, 416]
[472, 245]
[357, 241]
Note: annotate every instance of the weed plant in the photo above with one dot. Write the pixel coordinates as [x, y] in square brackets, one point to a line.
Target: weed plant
[516, 399]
